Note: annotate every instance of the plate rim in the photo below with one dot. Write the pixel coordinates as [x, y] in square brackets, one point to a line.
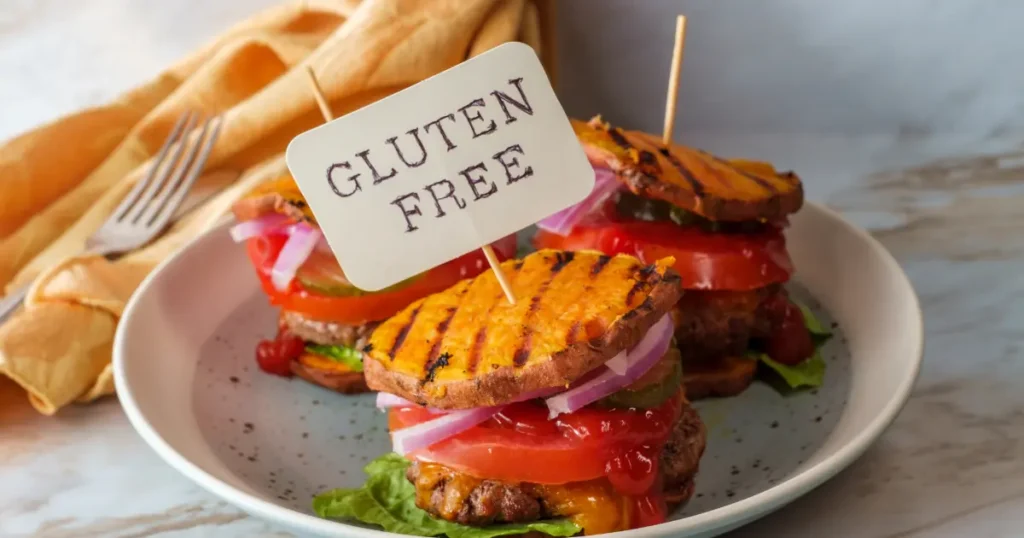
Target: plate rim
[739, 512]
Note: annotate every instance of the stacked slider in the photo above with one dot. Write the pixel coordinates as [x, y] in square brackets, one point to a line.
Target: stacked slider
[722, 221]
[325, 321]
[561, 413]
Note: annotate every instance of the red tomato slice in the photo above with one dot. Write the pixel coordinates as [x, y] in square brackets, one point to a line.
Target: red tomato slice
[705, 260]
[520, 444]
[360, 309]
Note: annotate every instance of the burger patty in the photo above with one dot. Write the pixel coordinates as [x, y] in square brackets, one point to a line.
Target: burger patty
[327, 333]
[467, 500]
[713, 324]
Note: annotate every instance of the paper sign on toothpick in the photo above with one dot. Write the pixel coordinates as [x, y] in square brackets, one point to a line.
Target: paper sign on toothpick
[442, 168]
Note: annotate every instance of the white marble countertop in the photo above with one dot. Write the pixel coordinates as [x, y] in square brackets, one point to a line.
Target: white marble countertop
[949, 207]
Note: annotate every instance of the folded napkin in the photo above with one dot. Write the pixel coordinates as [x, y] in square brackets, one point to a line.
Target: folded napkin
[58, 347]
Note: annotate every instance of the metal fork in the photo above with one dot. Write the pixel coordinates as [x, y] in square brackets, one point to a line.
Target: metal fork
[147, 209]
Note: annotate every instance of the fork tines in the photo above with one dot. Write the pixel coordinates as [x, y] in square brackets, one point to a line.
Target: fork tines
[155, 198]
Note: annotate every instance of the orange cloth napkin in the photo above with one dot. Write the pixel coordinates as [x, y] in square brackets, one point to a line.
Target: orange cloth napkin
[58, 347]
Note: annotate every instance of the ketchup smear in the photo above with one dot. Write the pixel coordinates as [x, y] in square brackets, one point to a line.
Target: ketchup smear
[790, 341]
[275, 356]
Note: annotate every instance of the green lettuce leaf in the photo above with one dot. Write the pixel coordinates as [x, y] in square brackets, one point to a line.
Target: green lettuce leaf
[811, 372]
[388, 499]
[819, 334]
[346, 355]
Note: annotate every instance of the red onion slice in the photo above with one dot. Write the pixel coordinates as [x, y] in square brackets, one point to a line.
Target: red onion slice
[562, 223]
[619, 363]
[300, 245]
[387, 400]
[257, 226]
[638, 361]
[444, 426]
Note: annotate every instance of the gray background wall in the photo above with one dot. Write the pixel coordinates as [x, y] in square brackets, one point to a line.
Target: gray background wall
[839, 66]
[853, 66]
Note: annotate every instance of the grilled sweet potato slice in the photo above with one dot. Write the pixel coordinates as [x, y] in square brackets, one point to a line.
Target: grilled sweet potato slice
[469, 347]
[280, 195]
[694, 180]
[328, 374]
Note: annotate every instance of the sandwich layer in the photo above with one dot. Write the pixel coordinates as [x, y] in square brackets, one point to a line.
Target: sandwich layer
[594, 505]
[710, 324]
[279, 195]
[319, 369]
[469, 347]
[691, 179]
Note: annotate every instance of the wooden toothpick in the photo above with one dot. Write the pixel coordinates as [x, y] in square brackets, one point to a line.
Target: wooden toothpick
[318, 94]
[492, 259]
[498, 273]
[673, 81]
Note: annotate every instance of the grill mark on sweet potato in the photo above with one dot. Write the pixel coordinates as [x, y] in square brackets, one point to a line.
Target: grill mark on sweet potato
[431, 370]
[481, 334]
[619, 138]
[599, 265]
[691, 179]
[443, 326]
[756, 179]
[644, 281]
[561, 260]
[570, 337]
[403, 332]
[474, 352]
[644, 306]
[522, 354]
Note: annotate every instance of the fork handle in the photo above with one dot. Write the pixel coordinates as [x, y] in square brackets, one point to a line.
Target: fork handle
[11, 303]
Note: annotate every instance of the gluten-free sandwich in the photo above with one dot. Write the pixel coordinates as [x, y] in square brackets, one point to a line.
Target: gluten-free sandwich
[560, 414]
[325, 321]
[722, 220]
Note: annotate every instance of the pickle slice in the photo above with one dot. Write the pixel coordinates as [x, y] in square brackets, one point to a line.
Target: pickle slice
[651, 390]
[321, 274]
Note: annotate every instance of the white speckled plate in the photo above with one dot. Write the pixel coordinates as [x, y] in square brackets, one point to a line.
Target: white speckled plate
[185, 372]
